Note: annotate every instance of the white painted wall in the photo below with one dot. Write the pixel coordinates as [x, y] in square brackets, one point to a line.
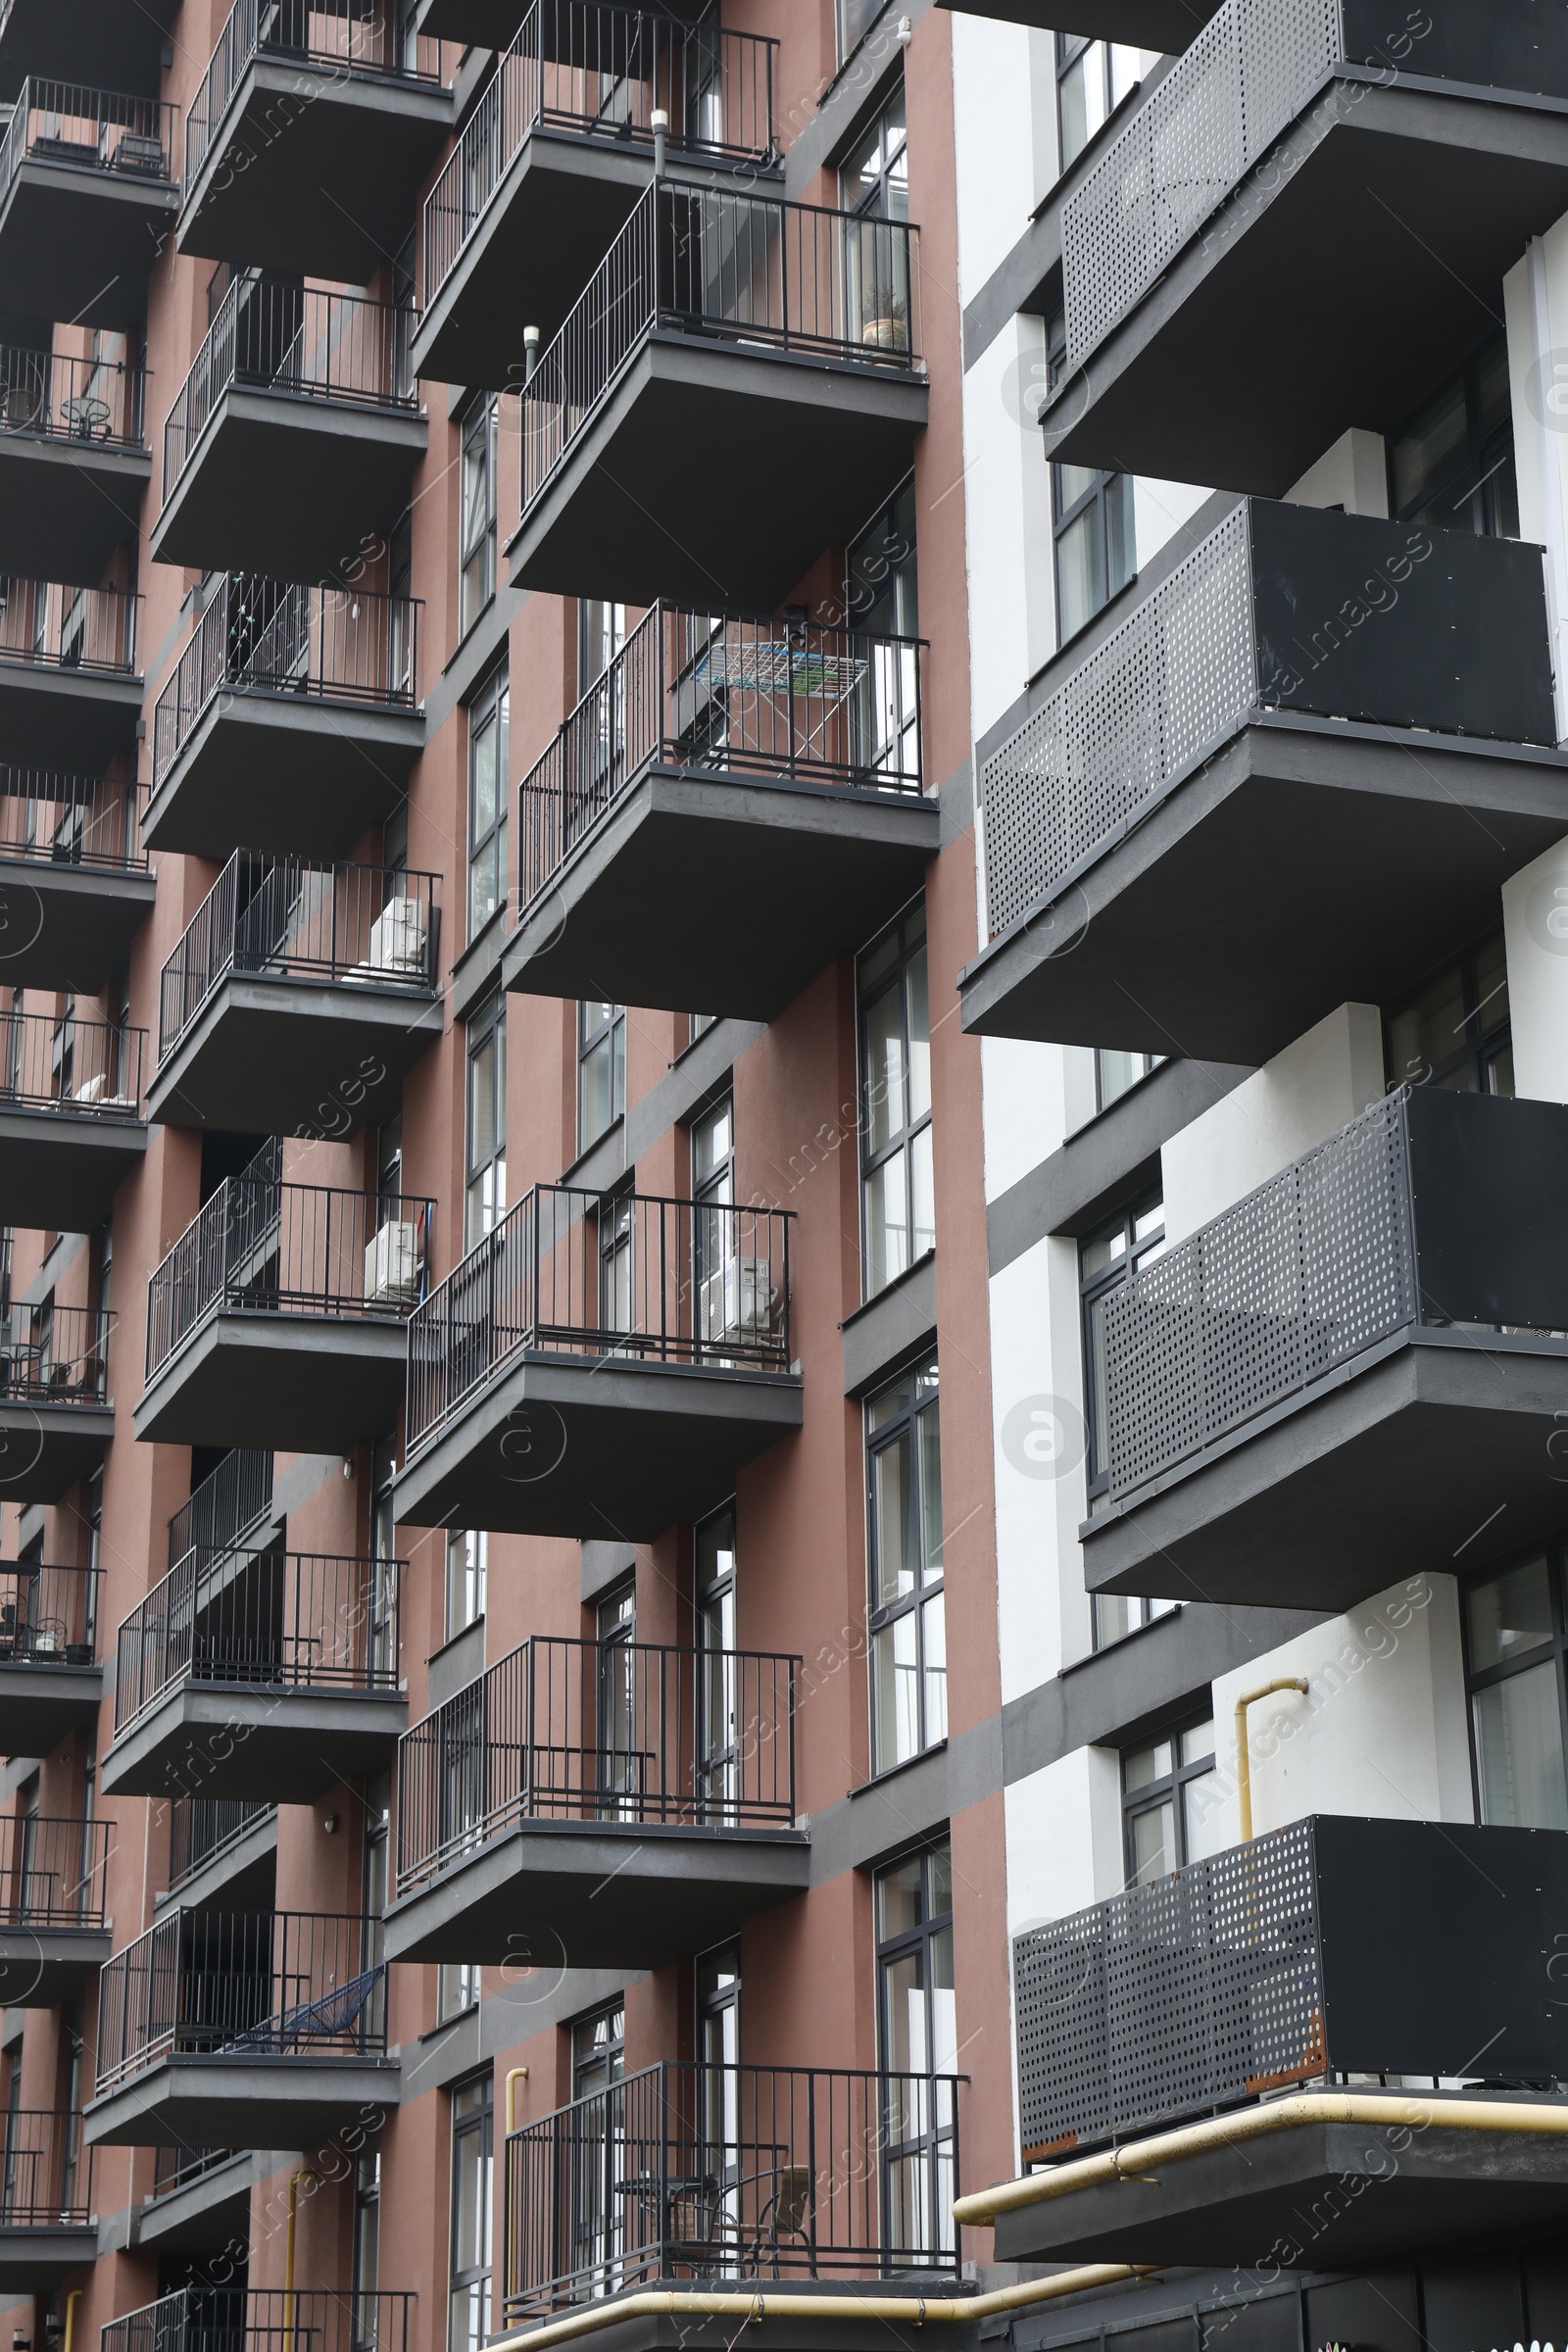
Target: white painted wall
[1006, 495]
[1004, 125]
[1160, 508]
[1353, 474]
[1534, 933]
[1063, 1832]
[1025, 1107]
[1299, 1099]
[1534, 295]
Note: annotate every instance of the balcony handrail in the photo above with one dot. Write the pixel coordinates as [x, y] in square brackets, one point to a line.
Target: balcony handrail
[50, 624]
[84, 129]
[775, 697]
[270, 1619]
[305, 343]
[56, 1355]
[700, 2169]
[45, 2171]
[48, 818]
[754, 272]
[577, 1273]
[261, 2318]
[232, 1502]
[715, 86]
[263, 1247]
[285, 918]
[81, 1069]
[364, 42]
[48, 1615]
[92, 403]
[617, 1732]
[52, 1871]
[201, 1828]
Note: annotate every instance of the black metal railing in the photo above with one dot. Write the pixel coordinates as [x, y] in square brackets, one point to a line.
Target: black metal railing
[241, 1984]
[48, 818]
[614, 1732]
[88, 131]
[45, 394]
[91, 1069]
[263, 2319]
[201, 1828]
[732, 268]
[344, 645]
[273, 335]
[356, 40]
[52, 1872]
[46, 2172]
[54, 1354]
[230, 1501]
[48, 1616]
[269, 1620]
[259, 1247]
[173, 2167]
[603, 72]
[694, 2170]
[575, 1273]
[51, 625]
[372, 926]
[771, 697]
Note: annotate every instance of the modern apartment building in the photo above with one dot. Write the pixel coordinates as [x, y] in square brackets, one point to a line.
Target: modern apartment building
[782, 841]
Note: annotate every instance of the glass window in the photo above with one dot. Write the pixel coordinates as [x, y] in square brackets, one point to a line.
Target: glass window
[1116, 1074]
[875, 181]
[487, 803]
[898, 1189]
[477, 540]
[856, 20]
[597, 2050]
[1513, 1624]
[1093, 77]
[881, 597]
[601, 1070]
[1457, 1031]
[907, 1608]
[457, 1988]
[467, 1560]
[1135, 1238]
[1171, 1802]
[1093, 522]
[1452, 465]
[472, 2160]
[718, 1697]
[918, 2025]
[485, 1199]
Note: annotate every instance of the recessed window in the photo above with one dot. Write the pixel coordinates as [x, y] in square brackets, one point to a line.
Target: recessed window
[476, 545]
[875, 178]
[917, 2029]
[856, 20]
[1171, 1802]
[1514, 1644]
[1116, 1074]
[718, 1729]
[1132, 1237]
[488, 718]
[1455, 1031]
[1093, 530]
[1093, 77]
[472, 2166]
[486, 1190]
[466, 1563]
[907, 1605]
[897, 1182]
[457, 1988]
[1452, 465]
[601, 1070]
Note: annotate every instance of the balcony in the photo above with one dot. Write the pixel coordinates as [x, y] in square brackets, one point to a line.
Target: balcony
[225, 1848]
[1334, 1951]
[547, 171]
[297, 997]
[713, 749]
[1271, 703]
[56, 1416]
[73, 460]
[51, 1683]
[779, 340]
[46, 2221]
[69, 694]
[73, 880]
[297, 385]
[241, 2030]
[491, 23]
[54, 1938]
[696, 2172]
[234, 1504]
[1355, 1371]
[597, 1365]
[1214, 330]
[71, 1123]
[261, 2318]
[629, 1802]
[308, 140]
[35, 38]
[291, 721]
[88, 193]
[1166, 26]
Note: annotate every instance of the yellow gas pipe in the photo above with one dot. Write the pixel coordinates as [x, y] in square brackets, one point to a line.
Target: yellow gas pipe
[1243, 1759]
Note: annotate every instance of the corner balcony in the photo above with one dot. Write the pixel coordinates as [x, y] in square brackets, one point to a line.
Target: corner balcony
[74, 464]
[263, 2319]
[291, 721]
[600, 1366]
[69, 692]
[1240, 275]
[306, 142]
[36, 37]
[1354, 1372]
[628, 1802]
[73, 881]
[56, 1416]
[293, 385]
[269, 1676]
[715, 750]
[297, 999]
[546, 168]
[51, 1683]
[54, 1936]
[243, 2030]
[72, 1126]
[1335, 1952]
[1269, 705]
[695, 2173]
[47, 2226]
[88, 193]
[781, 341]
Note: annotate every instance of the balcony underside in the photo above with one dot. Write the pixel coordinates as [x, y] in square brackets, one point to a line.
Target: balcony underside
[659, 904]
[66, 505]
[69, 926]
[242, 1876]
[42, 1968]
[200, 2214]
[291, 772]
[347, 468]
[1317, 2196]
[1164, 940]
[44, 1448]
[313, 170]
[61, 1169]
[54, 37]
[1166, 26]
[240, 2100]
[1308, 304]
[75, 719]
[609, 1448]
[715, 472]
[295, 1383]
[1439, 1446]
[492, 23]
[35, 2261]
[278, 1056]
[40, 1704]
[79, 244]
[262, 1741]
[597, 1895]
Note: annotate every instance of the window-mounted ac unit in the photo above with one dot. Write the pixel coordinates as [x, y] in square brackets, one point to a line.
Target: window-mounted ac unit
[738, 1302]
[394, 1262]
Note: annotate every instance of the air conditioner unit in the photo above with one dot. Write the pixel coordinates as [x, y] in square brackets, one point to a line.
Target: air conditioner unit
[738, 1302]
[394, 1262]
[397, 937]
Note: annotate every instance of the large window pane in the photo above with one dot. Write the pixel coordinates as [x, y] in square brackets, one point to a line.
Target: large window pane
[1509, 1614]
[1518, 1724]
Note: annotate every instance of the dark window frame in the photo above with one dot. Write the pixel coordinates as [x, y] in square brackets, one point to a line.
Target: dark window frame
[873, 982]
[1169, 1788]
[924, 1403]
[1553, 1650]
[1482, 1049]
[1486, 475]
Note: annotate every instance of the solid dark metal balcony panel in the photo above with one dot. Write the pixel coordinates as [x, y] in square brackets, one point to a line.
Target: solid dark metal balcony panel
[45, 1967]
[297, 1383]
[314, 170]
[1167, 25]
[268, 1056]
[795, 453]
[40, 1704]
[69, 926]
[66, 504]
[265, 1740]
[602, 1895]
[36, 2258]
[51, 716]
[79, 243]
[303, 774]
[237, 2099]
[55, 37]
[346, 468]
[44, 1448]
[594, 1448]
[61, 1169]
[656, 905]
